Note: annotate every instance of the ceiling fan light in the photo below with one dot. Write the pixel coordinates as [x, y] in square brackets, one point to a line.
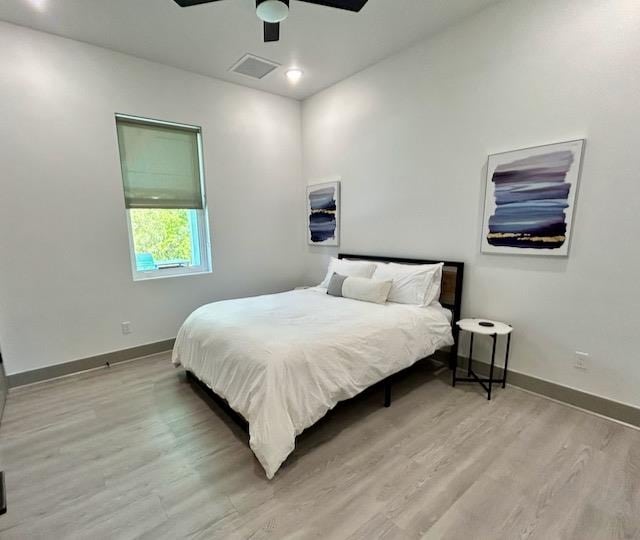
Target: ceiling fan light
[272, 11]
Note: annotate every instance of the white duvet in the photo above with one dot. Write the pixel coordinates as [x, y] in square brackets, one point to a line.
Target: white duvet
[283, 360]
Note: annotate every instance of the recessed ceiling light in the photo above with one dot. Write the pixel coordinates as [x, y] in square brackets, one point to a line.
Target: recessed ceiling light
[39, 5]
[294, 75]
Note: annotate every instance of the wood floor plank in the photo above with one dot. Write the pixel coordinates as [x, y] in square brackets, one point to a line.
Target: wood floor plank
[135, 451]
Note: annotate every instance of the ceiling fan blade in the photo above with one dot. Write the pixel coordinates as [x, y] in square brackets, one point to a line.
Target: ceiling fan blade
[188, 3]
[271, 32]
[350, 5]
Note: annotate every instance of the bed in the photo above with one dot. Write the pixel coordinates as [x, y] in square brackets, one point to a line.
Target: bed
[280, 362]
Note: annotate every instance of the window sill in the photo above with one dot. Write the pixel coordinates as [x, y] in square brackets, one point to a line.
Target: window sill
[158, 275]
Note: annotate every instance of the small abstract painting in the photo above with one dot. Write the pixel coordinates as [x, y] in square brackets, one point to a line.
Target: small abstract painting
[530, 197]
[323, 211]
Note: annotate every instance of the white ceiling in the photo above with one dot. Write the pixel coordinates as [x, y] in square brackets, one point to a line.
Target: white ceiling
[328, 44]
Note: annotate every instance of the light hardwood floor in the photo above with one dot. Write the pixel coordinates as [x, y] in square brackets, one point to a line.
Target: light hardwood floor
[136, 451]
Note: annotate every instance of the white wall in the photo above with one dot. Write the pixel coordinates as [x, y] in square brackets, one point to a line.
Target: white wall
[65, 277]
[410, 137]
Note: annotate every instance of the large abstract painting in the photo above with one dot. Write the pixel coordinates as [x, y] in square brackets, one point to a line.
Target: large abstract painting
[530, 198]
[323, 211]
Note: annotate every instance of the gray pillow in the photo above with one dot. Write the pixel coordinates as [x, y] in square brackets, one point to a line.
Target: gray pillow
[335, 284]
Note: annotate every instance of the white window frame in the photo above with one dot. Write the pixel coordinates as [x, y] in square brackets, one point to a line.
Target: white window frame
[202, 218]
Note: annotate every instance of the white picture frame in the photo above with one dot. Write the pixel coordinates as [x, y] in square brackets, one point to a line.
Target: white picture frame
[530, 199]
[323, 214]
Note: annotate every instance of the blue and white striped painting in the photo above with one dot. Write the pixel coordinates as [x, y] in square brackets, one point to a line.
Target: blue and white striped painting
[530, 199]
[323, 210]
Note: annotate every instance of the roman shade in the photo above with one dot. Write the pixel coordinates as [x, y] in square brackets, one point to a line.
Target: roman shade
[160, 165]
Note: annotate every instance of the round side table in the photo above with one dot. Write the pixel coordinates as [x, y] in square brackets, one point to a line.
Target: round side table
[485, 327]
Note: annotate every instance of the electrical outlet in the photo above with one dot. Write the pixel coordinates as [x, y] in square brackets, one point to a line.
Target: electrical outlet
[126, 327]
[582, 360]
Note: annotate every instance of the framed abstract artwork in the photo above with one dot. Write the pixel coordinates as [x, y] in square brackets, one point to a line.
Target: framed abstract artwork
[323, 214]
[530, 199]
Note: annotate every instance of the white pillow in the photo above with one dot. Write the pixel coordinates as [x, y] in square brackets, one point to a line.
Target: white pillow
[348, 268]
[417, 284]
[365, 289]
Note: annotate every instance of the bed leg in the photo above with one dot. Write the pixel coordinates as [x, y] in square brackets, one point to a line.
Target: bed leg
[453, 354]
[387, 393]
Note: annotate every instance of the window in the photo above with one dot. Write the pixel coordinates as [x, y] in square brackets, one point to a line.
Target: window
[164, 196]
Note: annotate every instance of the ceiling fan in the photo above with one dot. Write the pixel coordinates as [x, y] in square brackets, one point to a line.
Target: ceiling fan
[273, 12]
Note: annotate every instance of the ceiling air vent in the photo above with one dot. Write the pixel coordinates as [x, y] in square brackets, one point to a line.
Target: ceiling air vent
[254, 66]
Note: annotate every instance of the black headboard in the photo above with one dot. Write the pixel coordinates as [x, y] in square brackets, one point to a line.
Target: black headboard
[451, 293]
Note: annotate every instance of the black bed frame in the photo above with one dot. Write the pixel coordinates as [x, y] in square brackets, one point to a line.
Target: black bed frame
[450, 298]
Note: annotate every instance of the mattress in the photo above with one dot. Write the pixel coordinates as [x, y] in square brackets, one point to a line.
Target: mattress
[283, 360]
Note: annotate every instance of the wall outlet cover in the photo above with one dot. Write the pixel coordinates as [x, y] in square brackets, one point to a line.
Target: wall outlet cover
[582, 360]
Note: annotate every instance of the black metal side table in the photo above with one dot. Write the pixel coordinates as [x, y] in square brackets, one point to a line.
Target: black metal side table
[484, 327]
